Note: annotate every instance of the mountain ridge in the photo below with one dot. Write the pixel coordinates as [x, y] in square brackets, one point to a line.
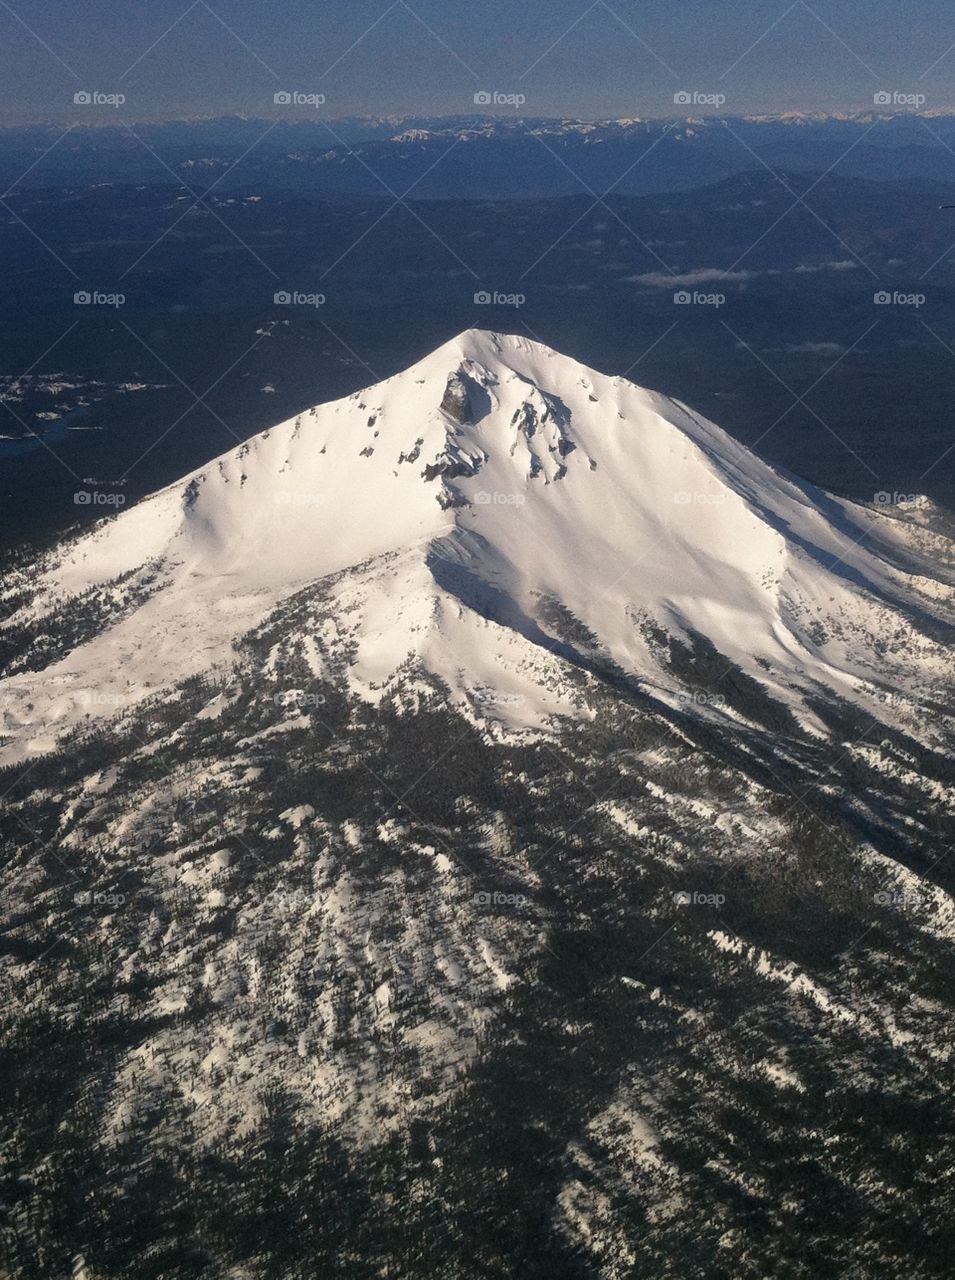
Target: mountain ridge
[509, 482]
[373, 838]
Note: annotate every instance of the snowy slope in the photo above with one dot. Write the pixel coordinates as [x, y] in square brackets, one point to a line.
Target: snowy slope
[497, 512]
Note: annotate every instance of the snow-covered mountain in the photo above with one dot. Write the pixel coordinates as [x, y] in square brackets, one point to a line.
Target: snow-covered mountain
[496, 515]
[497, 796]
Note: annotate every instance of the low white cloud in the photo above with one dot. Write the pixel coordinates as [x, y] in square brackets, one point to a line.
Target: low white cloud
[810, 348]
[714, 275]
[844, 265]
[702, 275]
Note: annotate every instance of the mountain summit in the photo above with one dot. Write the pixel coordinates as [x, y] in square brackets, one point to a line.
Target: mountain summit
[499, 795]
[500, 517]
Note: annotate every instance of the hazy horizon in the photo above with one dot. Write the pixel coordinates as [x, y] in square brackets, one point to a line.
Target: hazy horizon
[570, 59]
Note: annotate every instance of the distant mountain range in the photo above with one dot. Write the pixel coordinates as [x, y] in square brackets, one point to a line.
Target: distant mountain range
[479, 156]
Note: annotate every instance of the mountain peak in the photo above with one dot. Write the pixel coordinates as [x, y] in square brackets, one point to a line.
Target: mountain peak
[497, 514]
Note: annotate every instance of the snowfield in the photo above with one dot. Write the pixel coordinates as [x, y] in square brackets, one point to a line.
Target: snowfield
[494, 512]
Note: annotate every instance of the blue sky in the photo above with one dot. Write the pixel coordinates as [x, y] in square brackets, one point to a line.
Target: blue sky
[173, 58]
